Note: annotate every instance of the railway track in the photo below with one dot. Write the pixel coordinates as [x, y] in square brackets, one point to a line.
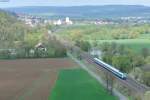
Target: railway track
[129, 82]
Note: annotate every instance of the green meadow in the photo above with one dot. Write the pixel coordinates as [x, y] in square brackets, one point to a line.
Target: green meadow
[135, 44]
[135, 37]
[77, 84]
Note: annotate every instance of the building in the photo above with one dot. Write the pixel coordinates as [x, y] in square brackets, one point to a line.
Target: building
[58, 22]
[68, 21]
[96, 52]
[40, 46]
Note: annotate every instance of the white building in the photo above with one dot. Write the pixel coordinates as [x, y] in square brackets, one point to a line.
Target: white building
[96, 52]
[68, 21]
[58, 22]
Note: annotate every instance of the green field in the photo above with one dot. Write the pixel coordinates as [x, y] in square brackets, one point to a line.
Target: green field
[76, 84]
[134, 44]
[134, 37]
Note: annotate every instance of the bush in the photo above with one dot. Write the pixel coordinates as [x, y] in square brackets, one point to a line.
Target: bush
[84, 45]
[146, 78]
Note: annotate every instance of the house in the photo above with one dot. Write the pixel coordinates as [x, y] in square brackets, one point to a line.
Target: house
[41, 46]
[95, 52]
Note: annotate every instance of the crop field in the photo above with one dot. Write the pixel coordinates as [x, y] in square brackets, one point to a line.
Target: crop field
[76, 84]
[30, 79]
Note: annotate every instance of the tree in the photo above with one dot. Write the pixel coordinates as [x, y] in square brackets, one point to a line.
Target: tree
[84, 45]
[122, 63]
[114, 48]
[133, 35]
[145, 52]
[121, 50]
[147, 95]
[137, 61]
[76, 35]
[107, 58]
[95, 43]
[147, 60]
[137, 74]
[105, 47]
[146, 78]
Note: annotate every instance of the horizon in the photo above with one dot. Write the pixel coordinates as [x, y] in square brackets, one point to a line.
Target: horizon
[68, 3]
[72, 6]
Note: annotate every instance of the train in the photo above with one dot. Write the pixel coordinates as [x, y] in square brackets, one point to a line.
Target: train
[110, 68]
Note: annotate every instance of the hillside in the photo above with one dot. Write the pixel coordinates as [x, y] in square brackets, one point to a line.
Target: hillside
[17, 40]
[11, 29]
[108, 11]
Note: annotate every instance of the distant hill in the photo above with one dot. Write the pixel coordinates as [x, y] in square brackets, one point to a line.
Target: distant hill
[91, 12]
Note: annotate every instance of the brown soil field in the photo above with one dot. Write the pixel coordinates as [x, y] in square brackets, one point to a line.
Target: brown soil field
[30, 79]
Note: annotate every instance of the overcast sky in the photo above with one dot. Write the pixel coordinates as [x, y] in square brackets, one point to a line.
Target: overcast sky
[12, 3]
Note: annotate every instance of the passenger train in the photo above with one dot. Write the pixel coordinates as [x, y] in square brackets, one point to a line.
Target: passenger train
[113, 70]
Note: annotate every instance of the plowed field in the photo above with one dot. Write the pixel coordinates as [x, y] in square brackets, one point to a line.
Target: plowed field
[30, 79]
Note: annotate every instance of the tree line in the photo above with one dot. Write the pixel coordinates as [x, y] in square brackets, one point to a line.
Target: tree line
[17, 40]
[127, 60]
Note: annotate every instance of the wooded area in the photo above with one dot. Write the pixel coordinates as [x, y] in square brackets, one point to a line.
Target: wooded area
[20, 41]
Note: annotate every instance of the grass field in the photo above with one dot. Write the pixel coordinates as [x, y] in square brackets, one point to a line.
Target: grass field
[105, 33]
[134, 44]
[76, 84]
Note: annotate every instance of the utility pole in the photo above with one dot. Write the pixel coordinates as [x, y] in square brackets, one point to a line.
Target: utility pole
[112, 84]
[109, 82]
[107, 79]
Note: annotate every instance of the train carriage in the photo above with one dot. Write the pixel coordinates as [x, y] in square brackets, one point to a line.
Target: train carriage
[110, 68]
